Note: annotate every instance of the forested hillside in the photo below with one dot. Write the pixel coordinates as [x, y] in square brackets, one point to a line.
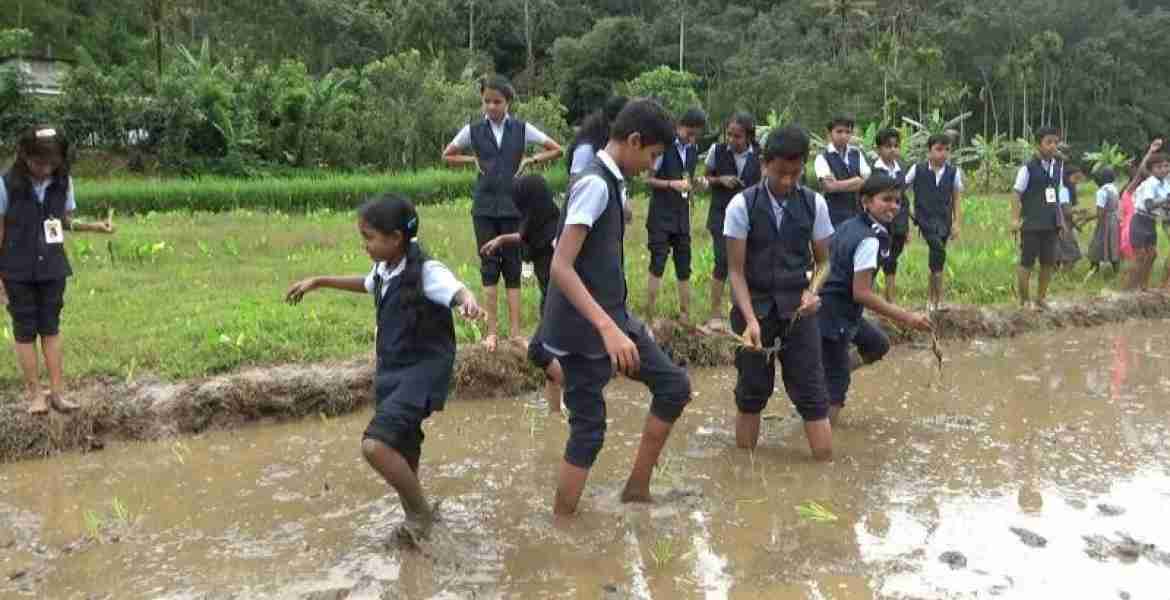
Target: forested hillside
[382, 83]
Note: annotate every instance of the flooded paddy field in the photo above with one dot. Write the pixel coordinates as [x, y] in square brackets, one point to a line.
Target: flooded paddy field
[1033, 467]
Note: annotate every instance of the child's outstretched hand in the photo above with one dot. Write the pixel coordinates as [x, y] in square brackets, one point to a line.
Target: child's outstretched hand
[468, 308]
[918, 321]
[299, 289]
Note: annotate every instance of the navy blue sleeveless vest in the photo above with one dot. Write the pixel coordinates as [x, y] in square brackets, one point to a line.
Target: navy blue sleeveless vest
[399, 349]
[721, 196]
[843, 205]
[492, 196]
[668, 210]
[601, 266]
[901, 223]
[26, 256]
[778, 259]
[1035, 211]
[840, 314]
[934, 199]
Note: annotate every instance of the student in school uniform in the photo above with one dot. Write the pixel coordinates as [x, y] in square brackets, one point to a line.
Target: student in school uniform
[1151, 202]
[1037, 216]
[732, 166]
[775, 230]
[498, 142]
[1106, 245]
[415, 347]
[37, 204]
[540, 219]
[889, 142]
[668, 222]
[841, 170]
[938, 208]
[593, 136]
[1069, 247]
[857, 250]
[587, 324]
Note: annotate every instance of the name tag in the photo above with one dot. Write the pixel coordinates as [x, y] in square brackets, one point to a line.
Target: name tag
[54, 233]
[1050, 195]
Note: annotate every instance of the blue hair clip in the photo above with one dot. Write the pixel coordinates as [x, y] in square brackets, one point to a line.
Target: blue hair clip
[412, 225]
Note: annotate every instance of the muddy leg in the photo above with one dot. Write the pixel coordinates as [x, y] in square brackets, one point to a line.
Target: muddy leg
[401, 476]
[570, 484]
[26, 355]
[554, 378]
[747, 430]
[716, 300]
[514, 324]
[936, 285]
[820, 439]
[1023, 281]
[684, 301]
[490, 304]
[891, 288]
[654, 436]
[51, 348]
[652, 285]
[1042, 286]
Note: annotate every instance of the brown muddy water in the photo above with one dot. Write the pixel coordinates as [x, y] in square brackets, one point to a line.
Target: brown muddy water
[1029, 468]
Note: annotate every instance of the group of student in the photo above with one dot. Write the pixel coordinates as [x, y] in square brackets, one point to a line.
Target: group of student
[801, 268]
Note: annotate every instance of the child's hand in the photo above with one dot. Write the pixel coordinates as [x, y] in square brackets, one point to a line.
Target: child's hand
[918, 322]
[680, 185]
[490, 247]
[752, 337]
[105, 227]
[622, 351]
[468, 308]
[729, 181]
[299, 289]
[810, 303]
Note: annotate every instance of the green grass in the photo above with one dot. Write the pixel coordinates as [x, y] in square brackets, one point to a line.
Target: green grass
[186, 294]
[295, 194]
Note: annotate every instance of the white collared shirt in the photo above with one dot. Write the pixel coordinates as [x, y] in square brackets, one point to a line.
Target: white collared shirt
[823, 171]
[532, 135]
[681, 148]
[865, 257]
[740, 159]
[1152, 197]
[439, 283]
[938, 175]
[39, 190]
[737, 222]
[1023, 179]
[589, 195]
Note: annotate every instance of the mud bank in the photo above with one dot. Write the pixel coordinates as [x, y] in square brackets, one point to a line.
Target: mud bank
[147, 409]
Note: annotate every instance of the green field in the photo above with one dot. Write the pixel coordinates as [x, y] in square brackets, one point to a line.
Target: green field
[188, 294]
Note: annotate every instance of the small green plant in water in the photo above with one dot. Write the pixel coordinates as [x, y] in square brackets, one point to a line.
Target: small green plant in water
[814, 511]
[662, 552]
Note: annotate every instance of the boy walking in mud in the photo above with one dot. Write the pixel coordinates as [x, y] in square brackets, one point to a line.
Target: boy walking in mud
[586, 321]
[775, 230]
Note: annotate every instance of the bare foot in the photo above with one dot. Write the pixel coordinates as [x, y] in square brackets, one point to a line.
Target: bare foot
[37, 405]
[60, 404]
[490, 342]
[636, 497]
[519, 341]
[1041, 305]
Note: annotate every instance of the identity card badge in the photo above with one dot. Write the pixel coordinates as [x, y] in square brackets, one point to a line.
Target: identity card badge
[54, 234]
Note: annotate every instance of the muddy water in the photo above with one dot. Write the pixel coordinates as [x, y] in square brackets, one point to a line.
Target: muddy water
[1029, 468]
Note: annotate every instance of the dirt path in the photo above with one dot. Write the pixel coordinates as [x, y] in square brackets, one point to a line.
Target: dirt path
[147, 409]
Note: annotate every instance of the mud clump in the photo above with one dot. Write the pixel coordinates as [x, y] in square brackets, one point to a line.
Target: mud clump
[953, 559]
[1030, 538]
[1125, 548]
[1110, 510]
[151, 409]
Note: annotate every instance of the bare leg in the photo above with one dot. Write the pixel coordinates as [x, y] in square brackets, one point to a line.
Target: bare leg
[1023, 280]
[936, 283]
[490, 301]
[554, 378]
[26, 355]
[684, 301]
[515, 328]
[1042, 287]
[891, 285]
[747, 430]
[652, 286]
[51, 347]
[716, 299]
[834, 413]
[654, 435]
[570, 484]
[820, 439]
[398, 473]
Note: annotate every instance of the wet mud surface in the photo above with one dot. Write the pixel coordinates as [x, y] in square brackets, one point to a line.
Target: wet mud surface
[154, 410]
[938, 480]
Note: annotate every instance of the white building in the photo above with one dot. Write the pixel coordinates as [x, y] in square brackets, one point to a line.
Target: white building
[45, 73]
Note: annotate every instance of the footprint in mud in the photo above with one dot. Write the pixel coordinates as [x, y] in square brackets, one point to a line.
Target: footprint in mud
[1125, 548]
[1110, 510]
[1030, 538]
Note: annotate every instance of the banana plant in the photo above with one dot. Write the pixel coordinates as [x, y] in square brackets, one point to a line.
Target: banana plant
[1108, 155]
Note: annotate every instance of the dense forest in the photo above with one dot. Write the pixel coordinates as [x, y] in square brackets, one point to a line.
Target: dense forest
[234, 85]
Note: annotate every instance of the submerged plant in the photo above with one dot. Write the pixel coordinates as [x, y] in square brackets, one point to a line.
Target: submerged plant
[662, 552]
[814, 511]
